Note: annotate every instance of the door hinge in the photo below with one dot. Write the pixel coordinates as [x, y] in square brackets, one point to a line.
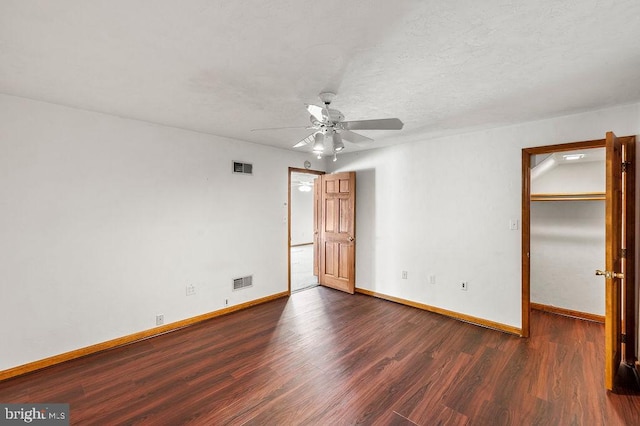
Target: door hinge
[623, 338]
[626, 166]
[623, 253]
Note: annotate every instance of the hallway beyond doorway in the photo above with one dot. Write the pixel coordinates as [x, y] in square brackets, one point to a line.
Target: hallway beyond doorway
[302, 268]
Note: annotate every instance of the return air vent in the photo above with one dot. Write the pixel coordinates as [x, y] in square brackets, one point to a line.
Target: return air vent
[244, 282]
[242, 168]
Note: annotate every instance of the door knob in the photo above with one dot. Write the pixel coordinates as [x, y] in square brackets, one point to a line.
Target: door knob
[351, 239]
[608, 274]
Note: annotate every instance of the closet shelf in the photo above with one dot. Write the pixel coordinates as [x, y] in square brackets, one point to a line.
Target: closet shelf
[571, 196]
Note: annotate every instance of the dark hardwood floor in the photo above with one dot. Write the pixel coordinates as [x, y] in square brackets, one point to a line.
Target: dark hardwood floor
[322, 357]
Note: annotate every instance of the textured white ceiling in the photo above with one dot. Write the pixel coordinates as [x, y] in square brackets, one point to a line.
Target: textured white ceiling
[226, 67]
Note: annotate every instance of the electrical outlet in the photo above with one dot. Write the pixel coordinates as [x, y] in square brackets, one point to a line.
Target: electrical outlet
[405, 275]
[464, 286]
[226, 302]
[191, 290]
[159, 319]
[432, 279]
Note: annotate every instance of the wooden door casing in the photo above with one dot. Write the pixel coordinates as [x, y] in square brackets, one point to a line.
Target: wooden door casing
[630, 289]
[612, 259]
[317, 215]
[315, 173]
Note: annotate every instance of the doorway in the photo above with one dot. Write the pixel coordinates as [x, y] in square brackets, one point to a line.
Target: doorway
[302, 233]
[619, 274]
[333, 201]
[567, 232]
[528, 161]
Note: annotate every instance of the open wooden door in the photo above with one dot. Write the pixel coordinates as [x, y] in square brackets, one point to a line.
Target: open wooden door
[617, 269]
[337, 249]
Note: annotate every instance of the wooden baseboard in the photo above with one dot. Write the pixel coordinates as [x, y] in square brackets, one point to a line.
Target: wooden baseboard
[456, 315]
[567, 312]
[132, 338]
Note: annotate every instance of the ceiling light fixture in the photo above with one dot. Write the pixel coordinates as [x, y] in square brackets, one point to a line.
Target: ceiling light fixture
[338, 145]
[304, 187]
[571, 157]
[318, 144]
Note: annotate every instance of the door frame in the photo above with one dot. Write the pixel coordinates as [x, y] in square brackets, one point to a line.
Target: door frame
[291, 171]
[527, 153]
[630, 287]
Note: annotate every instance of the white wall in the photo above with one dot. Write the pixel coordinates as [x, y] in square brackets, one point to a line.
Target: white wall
[568, 178]
[301, 217]
[443, 206]
[567, 246]
[104, 221]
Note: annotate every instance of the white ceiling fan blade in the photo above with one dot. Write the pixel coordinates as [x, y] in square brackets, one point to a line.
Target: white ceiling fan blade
[354, 137]
[305, 141]
[316, 111]
[381, 124]
[281, 128]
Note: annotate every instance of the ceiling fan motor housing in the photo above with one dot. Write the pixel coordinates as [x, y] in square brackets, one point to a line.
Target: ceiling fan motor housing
[335, 116]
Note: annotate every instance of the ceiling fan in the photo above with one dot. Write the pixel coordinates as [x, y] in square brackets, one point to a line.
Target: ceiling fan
[330, 128]
[329, 123]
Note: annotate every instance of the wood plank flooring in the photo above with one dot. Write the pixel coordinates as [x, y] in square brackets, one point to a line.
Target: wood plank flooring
[322, 357]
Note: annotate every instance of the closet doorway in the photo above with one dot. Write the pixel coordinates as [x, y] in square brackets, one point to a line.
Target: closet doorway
[567, 232]
[618, 277]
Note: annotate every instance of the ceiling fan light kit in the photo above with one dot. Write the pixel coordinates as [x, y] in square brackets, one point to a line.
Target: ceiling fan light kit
[318, 144]
[338, 145]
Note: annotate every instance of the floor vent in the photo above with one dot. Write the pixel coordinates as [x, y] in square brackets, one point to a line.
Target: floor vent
[244, 282]
[242, 168]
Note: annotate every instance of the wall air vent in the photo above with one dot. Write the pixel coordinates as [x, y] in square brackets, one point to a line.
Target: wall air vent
[242, 168]
[244, 282]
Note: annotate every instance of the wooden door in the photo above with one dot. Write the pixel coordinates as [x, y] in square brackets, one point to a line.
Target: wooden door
[337, 231]
[614, 265]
